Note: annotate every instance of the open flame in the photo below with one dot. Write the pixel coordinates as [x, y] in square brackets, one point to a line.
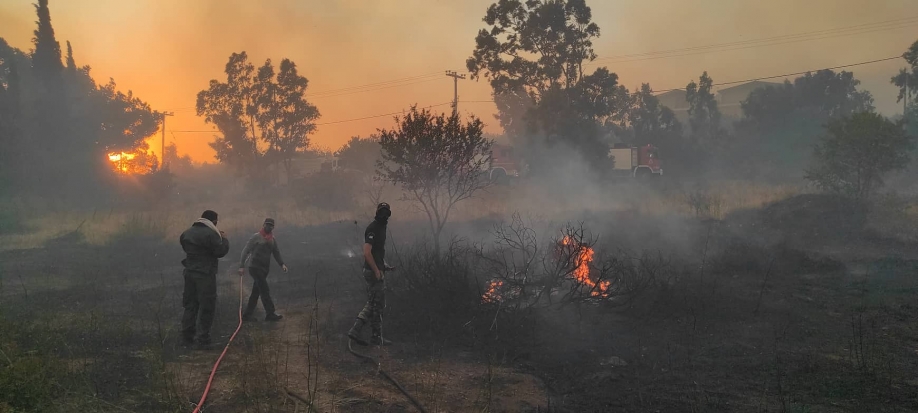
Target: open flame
[582, 267]
[492, 295]
[582, 256]
[120, 161]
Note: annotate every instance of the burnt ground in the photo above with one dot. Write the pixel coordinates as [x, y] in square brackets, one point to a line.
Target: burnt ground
[760, 313]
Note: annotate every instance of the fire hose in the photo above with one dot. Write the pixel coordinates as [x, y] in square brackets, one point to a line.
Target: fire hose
[213, 371]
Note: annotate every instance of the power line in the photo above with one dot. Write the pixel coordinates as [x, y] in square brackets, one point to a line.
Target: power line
[729, 46]
[332, 122]
[768, 41]
[656, 91]
[379, 116]
[789, 74]
[386, 82]
[313, 96]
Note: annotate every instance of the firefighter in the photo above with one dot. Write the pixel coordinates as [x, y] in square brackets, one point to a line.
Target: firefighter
[257, 257]
[374, 267]
[203, 244]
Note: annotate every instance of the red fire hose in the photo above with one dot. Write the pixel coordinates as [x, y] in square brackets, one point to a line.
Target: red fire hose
[219, 359]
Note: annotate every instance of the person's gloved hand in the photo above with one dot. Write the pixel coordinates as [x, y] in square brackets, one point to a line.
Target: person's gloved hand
[284, 267]
[241, 271]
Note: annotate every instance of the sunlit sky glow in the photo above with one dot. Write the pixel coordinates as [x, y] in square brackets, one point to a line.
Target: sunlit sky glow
[165, 51]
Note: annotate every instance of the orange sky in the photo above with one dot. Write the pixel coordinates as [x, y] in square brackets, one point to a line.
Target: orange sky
[167, 50]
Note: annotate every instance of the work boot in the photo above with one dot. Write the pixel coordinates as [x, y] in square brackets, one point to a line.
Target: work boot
[354, 332]
[273, 317]
[248, 317]
[378, 340]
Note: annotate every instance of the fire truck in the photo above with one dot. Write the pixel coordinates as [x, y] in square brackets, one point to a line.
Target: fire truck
[505, 165]
[635, 161]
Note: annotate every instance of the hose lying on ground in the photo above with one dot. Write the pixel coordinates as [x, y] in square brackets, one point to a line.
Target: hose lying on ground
[385, 375]
[213, 372]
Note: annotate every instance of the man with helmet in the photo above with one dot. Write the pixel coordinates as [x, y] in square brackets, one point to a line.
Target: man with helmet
[374, 267]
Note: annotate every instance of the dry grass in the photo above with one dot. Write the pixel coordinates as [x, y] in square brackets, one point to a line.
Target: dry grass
[719, 199]
[99, 227]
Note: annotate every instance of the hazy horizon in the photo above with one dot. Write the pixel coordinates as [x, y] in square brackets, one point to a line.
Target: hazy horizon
[167, 51]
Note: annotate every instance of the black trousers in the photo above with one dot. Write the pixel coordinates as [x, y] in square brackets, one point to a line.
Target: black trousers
[261, 290]
[199, 299]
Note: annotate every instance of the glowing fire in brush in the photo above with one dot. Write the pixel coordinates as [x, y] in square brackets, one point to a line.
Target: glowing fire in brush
[493, 294]
[582, 261]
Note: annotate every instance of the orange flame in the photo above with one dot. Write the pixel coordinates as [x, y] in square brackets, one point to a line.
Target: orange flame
[492, 295]
[582, 271]
[119, 161]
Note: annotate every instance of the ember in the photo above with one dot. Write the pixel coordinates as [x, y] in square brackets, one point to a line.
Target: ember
[492, 295]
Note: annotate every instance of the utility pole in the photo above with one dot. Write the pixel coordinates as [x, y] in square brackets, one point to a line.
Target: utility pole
[162, 160]
[456, 78]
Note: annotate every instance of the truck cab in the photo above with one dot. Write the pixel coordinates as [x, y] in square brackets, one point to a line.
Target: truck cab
[642, 161]
[504, 164]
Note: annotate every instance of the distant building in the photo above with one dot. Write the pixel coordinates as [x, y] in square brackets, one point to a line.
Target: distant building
[675, 101]
[729, 101]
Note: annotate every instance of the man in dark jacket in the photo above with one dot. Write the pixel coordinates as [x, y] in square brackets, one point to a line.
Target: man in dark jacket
[203, 244]
[257, 253]
[374, 265]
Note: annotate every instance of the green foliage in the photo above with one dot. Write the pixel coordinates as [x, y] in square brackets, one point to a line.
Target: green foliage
[908, 76]
[437, 160]
[533, 54]
[814, 97]
[263, 117]
[534, 46]
[47, 55]
[360, 154]
[781, 123]
[704, 116]
[175, 162]
[857, 152]
[58, 126]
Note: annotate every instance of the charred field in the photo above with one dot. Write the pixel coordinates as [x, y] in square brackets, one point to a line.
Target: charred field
[766, 307]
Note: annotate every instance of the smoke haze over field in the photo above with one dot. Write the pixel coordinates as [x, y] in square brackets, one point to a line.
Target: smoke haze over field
[167, 51]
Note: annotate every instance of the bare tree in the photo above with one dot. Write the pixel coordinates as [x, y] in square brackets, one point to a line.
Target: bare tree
[437, 160]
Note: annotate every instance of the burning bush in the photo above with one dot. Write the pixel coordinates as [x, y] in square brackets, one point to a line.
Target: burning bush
[523, 276]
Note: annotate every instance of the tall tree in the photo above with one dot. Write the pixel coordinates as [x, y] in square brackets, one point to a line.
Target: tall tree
[231, 107]
[704, 116]
[71, 63]
[437, 160]
[284, 115]
[908, 76]
[63, 124]
[47, 55]
[263, 116]
[533, 54]
[651, 122]
[534, 45]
